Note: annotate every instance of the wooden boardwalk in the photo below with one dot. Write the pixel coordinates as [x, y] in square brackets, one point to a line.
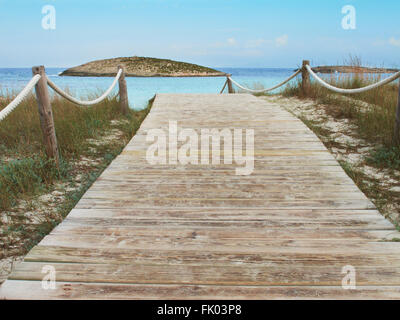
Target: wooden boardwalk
[200, 231]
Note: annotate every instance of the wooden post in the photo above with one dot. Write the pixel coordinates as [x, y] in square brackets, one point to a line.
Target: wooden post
[397, 124]
[123, 92]
[306, 77]
[230, 86]
[46, 115]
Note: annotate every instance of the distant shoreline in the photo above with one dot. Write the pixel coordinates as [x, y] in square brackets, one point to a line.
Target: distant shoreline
[352, 69]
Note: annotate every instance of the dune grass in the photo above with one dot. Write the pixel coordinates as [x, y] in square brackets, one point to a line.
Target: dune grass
[374, 117]
[24, 168]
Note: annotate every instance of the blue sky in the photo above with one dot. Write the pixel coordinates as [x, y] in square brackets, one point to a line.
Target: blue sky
[219, 33]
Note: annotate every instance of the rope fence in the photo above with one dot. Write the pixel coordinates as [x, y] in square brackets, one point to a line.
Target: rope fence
[265, 90]
[307, 72]
[352, 91]
[41, 82]
[85, 103]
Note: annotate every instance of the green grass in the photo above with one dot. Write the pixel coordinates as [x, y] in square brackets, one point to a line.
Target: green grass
[29, 172]
[27, 177]
[20, 133]
[385, 157]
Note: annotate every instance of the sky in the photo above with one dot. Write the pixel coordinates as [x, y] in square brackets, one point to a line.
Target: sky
[215, 33]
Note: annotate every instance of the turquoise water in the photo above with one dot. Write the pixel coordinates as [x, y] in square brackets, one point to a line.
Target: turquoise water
[140, 90]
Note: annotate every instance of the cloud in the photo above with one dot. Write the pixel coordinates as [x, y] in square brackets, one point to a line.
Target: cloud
[394, 42]
[379, 43]
[256, 43]
[232, 46]
[282, 40]
[231, 41]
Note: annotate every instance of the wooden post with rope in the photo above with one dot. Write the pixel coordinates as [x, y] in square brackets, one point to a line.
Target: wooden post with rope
[397, 123]
[229, 82]
[305, 77]
[123, 92]
[46, 115]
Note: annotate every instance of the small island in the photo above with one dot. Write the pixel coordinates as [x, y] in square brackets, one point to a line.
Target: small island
[141, 67]
[351, 69]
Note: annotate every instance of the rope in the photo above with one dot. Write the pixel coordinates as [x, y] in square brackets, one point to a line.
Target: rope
[266, 90]
[85, 103]
[21, 96]
[359, 90]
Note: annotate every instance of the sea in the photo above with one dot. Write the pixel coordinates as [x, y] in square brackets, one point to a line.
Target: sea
[140, 89]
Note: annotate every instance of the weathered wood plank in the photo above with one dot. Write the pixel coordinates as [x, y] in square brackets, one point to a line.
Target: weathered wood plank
[316, 246]
[81, 291]
[99, 202]
[257, 225]
[358, 217]
[266, 274]
[177, 230]
[55, 254]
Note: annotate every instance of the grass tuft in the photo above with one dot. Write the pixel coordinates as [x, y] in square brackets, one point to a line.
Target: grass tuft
[385, 157]
[26, 177]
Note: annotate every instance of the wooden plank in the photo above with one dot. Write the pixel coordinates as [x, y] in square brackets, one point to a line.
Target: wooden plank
[65, 254]
[154, 179]
[277, 190]
[230, 246]
[220, 194]
[179, 230]
[255, 274]
[100, 291]
[100, 202]
[356, 217]
[265, 226]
